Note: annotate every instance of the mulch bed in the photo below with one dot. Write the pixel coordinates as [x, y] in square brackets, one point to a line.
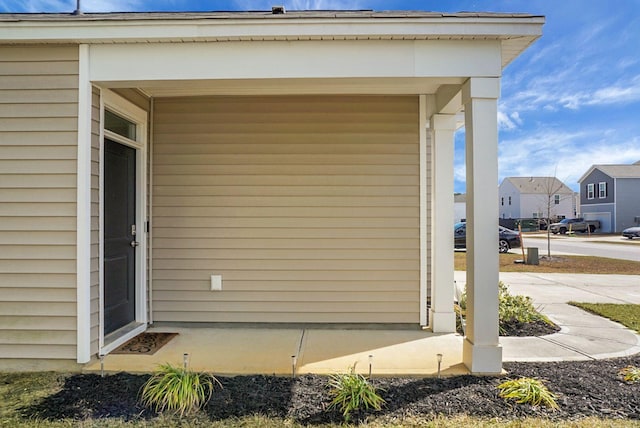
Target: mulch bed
[589, 388]
[520, 329]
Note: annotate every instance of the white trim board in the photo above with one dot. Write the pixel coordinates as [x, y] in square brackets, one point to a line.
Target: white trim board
[422, 123]
[295, 60]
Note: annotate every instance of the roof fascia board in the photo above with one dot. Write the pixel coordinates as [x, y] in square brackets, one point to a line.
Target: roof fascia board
[300, 60]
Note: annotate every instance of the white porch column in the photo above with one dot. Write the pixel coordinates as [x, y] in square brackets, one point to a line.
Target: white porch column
[442, 318]
[481, 349]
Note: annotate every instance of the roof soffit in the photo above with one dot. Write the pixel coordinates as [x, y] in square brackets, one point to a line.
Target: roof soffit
[516, 32]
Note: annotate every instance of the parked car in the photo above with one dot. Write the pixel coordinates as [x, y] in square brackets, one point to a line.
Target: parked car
[631, 232]
[507, 238]
[574, 225]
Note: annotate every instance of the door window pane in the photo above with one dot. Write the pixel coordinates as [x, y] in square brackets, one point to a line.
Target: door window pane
[119, 125]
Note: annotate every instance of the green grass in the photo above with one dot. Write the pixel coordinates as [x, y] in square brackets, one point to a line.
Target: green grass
[271, 422]
[621, 242]
[559, 264]
[626, 314]
[20, 389]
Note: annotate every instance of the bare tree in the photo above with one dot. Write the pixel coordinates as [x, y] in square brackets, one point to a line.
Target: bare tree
[550, 188]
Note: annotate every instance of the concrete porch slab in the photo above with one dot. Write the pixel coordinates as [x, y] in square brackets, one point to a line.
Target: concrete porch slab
[393, 352]
[239, 351]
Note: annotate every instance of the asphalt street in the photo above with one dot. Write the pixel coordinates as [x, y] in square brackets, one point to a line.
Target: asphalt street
[614, 247]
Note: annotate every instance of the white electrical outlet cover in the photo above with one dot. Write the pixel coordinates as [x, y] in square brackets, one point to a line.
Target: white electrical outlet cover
[216, 282]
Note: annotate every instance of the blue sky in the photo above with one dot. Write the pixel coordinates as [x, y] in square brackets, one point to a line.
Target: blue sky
[571, 100]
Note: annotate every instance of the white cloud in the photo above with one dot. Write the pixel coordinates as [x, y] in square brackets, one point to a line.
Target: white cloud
[36, 6]
[322, 5]
[460, 173]
[504, 122]
[571, 153]
[577, 66]
[509, 122]
[68, 6]
[112, 5]
[555, 94]
[617, 94]
[515, 116]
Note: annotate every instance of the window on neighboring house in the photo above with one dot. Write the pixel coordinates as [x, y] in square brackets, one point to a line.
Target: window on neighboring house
[602, 190]
[502, 201]
[509, 200]
[590, 191]
[556, 199]
[535, 215]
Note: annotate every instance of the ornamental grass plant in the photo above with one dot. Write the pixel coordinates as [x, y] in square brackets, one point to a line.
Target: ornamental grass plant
[510, 308]
[630, 374]
[351, 392]
[516, 308]
[178, 390]
[527, 390]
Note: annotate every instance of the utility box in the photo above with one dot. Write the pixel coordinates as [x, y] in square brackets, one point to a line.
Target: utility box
[532, 256]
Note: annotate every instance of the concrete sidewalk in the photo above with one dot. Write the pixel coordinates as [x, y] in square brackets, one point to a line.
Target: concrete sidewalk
[583, 336]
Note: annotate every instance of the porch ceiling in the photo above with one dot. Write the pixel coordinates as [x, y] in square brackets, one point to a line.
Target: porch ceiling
[350, 86]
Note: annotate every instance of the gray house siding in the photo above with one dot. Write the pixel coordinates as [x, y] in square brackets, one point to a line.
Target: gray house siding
[594, 178]
[628, 202]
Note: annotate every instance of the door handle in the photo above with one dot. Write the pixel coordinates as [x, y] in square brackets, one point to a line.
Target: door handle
[134, 243]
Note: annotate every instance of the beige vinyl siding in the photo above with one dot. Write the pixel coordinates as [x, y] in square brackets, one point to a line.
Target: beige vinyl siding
[38, 148]
[307, 206]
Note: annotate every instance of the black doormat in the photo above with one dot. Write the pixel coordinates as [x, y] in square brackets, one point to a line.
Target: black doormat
[145, 343]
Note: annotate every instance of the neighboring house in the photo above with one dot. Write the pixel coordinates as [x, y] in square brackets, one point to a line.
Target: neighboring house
[530, 197]
[610, 193]
[459, 207]
[200, 168]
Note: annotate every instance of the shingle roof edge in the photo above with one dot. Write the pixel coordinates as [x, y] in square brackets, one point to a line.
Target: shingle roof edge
[318, 14]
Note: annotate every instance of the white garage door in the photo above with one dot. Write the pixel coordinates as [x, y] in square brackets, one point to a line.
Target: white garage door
[604, 218]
